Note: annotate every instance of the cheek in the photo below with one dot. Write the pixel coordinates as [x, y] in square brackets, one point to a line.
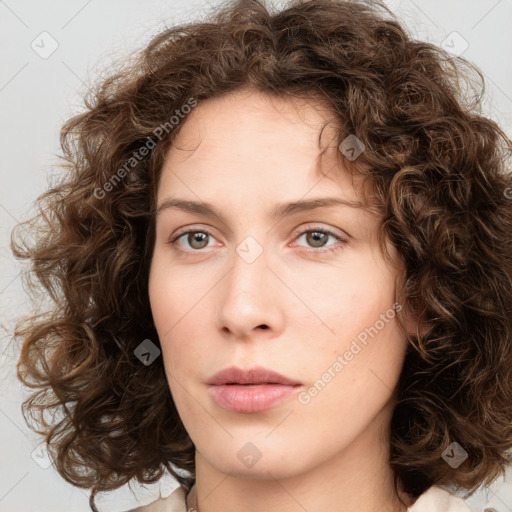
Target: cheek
[164, 307]
[169, 306]
[175, 296]
[179, 302]
[350, 298]
[357, 307]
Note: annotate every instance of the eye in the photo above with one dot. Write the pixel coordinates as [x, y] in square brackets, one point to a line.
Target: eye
[318, 237]
[197, 239]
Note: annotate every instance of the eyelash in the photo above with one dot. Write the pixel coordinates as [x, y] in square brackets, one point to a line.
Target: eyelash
[324, 231]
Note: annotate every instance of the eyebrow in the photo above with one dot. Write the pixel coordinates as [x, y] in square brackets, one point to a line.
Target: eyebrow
[279, 211]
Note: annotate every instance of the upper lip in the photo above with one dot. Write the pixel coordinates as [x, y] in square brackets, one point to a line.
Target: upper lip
[255, 375]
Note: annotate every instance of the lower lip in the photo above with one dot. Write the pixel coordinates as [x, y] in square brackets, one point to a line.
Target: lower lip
[242, 398]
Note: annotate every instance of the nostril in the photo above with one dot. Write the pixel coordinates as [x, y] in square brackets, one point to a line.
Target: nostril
[263, 326]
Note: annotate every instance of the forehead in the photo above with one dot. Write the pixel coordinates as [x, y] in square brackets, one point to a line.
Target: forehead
[248, 139]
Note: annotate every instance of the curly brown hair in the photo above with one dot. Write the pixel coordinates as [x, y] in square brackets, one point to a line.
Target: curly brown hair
[439, 174]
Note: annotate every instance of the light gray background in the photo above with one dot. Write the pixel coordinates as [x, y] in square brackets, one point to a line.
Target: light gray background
[37, 95]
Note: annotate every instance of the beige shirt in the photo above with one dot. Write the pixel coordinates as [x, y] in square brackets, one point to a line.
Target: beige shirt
[435, 499]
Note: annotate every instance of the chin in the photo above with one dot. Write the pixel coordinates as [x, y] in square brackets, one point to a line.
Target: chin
[260, 471]
[269, 461]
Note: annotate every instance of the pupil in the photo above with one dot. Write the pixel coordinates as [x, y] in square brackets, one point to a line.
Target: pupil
[317, 238]
[198, 237]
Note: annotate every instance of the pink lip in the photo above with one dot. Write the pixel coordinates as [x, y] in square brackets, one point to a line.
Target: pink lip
[255, 375]
[252, 390]
[246, 398]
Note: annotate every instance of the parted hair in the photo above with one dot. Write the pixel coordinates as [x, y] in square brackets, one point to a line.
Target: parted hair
[440, 176]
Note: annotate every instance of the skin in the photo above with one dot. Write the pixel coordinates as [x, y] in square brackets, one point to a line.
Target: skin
[244, 154]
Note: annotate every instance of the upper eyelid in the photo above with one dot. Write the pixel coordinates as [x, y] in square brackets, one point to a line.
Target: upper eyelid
[307, 227]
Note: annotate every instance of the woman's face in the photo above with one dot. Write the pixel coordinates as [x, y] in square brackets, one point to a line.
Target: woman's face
[305, 292]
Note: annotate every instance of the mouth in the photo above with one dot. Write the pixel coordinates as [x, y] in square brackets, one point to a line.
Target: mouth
[250, 398]
[251, 385]
[250, 391]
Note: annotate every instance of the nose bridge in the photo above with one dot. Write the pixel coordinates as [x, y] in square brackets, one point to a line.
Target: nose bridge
[247, 301]
[249, 267]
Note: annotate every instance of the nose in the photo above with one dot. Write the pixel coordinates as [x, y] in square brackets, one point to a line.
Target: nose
[250, 299]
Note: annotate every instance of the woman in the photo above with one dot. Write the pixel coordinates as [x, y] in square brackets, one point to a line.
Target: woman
[281, 266]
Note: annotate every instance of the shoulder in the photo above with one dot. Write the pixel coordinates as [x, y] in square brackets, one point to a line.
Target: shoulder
[438, 499]
[175, 502]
